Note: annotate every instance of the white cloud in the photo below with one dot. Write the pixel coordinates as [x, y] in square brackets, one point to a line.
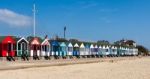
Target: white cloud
[14, 19]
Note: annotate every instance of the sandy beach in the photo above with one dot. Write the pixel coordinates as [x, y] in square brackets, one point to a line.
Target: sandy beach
[134, 68]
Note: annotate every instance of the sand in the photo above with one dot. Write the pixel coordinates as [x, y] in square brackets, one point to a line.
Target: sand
[137, 68]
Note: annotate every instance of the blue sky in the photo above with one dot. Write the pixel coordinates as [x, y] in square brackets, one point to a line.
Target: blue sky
[85, 19]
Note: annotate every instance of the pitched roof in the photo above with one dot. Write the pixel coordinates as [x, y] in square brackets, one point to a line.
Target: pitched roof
[3, 37]
[30, 39]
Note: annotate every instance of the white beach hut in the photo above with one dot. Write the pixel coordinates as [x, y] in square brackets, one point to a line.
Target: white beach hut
[92, 49]
[45, 48]
[70, 49]
[82, 50]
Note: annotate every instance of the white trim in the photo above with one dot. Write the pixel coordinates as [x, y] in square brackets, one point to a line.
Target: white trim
[63, 44]
[82, 46]
[100, 46]
[76, 45]
[22, 39]
[45, 40]
[95, 46]
[70, 45]
[91, 46]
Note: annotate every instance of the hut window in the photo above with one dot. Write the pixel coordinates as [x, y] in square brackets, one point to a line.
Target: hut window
[82, 49]
[92, 49]
[55, 48]
[87, 49]
[63, 48]
[76, 48]
[19, 46]
[45, 47]
[96, 49]
[106, 50]
[23, 46]
[70, 49]
[113, 50]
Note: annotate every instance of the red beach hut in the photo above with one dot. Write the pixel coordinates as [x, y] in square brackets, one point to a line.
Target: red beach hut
[35, 46]
[7, 46]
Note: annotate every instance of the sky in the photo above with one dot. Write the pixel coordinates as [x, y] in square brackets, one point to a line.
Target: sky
[88, 20]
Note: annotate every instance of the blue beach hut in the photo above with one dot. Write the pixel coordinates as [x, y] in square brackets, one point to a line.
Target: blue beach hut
[63, 49]
[76, 50]
[87, 49]
[54, 48]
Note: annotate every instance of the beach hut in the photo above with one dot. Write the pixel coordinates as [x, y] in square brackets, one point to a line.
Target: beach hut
[55, 48]
[76, 50]
[121, 51]
[96, 50]
[63, 49]
[82, 50]
[35, 47]
[100, 51]
[45, 48]
[135, 50]
[113, 51]
[92, 50]
[70, 50]
[105, 50]
[87, 49]
[22, 48]
[126, 51]
[118, 51]
[7, 47]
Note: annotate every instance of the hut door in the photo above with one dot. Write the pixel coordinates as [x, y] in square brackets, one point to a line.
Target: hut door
[9, 48]
[34, 50]
[45, 49]
[23, 48]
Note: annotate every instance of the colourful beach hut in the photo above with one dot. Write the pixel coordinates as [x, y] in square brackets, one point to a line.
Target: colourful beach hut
[76, 50]
[126, 51]
[135, 51]
[96, 50]
[92, 50]
[35, 47]
[120, 51]
[105, 50]
[70, 50]
[87, 49]
[63, 49]
[55, 48]
[100, 51]
[45, 48]
[7, 47]
[113, 51]
[82, 50]
[23, 48]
